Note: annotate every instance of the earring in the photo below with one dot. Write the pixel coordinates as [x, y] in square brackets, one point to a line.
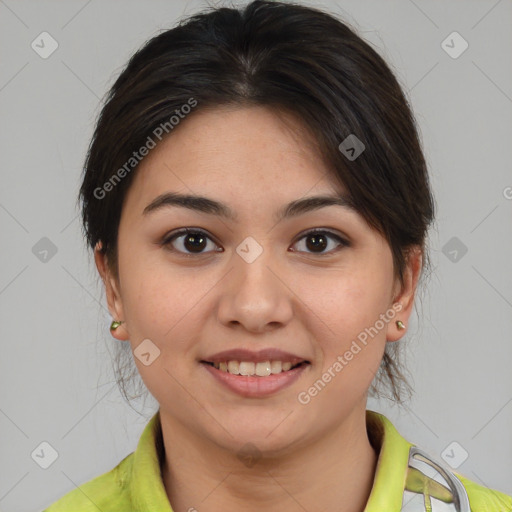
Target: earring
[400, 325]
[115, 324]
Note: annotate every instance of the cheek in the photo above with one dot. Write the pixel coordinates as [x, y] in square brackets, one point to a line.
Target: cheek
[164, 311]
[343, 312]
[349, 348]
[166, 304]
[345, 302]
[155, 306]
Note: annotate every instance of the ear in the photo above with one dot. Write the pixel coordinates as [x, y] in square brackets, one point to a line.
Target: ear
[406, 293]
[114, 301]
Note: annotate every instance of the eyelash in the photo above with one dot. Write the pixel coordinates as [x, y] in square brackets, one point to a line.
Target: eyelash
[167, 241]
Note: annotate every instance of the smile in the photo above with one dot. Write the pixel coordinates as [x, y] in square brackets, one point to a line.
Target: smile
[255, 380]
[261, 369]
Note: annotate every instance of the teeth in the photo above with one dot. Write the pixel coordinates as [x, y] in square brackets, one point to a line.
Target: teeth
[276, 367]
[246, 368]
[233, 367]
[261, 369]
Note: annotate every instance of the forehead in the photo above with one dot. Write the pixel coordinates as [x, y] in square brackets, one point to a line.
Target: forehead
[249, 151]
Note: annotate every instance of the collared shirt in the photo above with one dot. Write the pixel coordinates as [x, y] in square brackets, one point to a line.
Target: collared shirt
[135, 484]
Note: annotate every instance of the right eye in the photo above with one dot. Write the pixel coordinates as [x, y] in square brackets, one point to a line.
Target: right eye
[190, 241]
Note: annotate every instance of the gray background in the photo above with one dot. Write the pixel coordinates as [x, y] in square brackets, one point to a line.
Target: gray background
[56, 379]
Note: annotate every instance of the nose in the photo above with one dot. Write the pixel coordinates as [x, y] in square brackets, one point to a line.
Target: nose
[256, 294]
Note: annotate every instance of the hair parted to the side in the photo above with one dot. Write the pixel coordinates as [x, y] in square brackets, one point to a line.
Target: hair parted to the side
[293, 59]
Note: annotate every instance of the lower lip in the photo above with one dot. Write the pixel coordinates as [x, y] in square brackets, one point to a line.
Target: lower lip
[256, 387]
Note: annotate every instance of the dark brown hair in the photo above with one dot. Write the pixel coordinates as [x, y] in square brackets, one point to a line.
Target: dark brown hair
[290, 58]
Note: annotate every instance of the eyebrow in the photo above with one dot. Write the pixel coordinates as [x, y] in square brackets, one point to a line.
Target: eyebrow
[213, 207]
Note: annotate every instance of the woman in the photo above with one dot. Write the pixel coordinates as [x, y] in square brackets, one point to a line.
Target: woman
[258, 204]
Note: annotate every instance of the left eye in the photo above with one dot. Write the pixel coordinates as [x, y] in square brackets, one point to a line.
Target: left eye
[195, 241]
[319, 241]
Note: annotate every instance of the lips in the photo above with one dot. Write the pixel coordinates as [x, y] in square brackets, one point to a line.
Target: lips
[270, 354]
[255, 386]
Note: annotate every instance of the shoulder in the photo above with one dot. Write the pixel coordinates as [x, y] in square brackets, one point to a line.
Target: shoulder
[423, 475]
[484, 499]
[134, 484]
[108, 492]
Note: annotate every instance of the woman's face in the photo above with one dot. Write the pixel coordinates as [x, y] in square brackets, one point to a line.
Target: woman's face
[256, 282]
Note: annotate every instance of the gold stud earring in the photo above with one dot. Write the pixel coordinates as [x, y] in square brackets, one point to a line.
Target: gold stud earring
[400, 325]
[115, 324]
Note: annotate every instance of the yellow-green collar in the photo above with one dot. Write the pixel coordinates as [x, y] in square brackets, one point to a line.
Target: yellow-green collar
[391, 472]
[147, 488]
[136, 485]
[148, 492]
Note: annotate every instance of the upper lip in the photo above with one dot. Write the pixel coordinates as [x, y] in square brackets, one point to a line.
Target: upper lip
[267, 354]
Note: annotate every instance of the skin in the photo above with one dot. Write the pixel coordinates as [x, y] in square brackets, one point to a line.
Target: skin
[310, 457]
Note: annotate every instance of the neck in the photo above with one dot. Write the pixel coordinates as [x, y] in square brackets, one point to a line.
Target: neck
[333, 472]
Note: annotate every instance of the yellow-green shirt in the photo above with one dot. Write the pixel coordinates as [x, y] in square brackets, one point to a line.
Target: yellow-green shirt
[135, 484]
